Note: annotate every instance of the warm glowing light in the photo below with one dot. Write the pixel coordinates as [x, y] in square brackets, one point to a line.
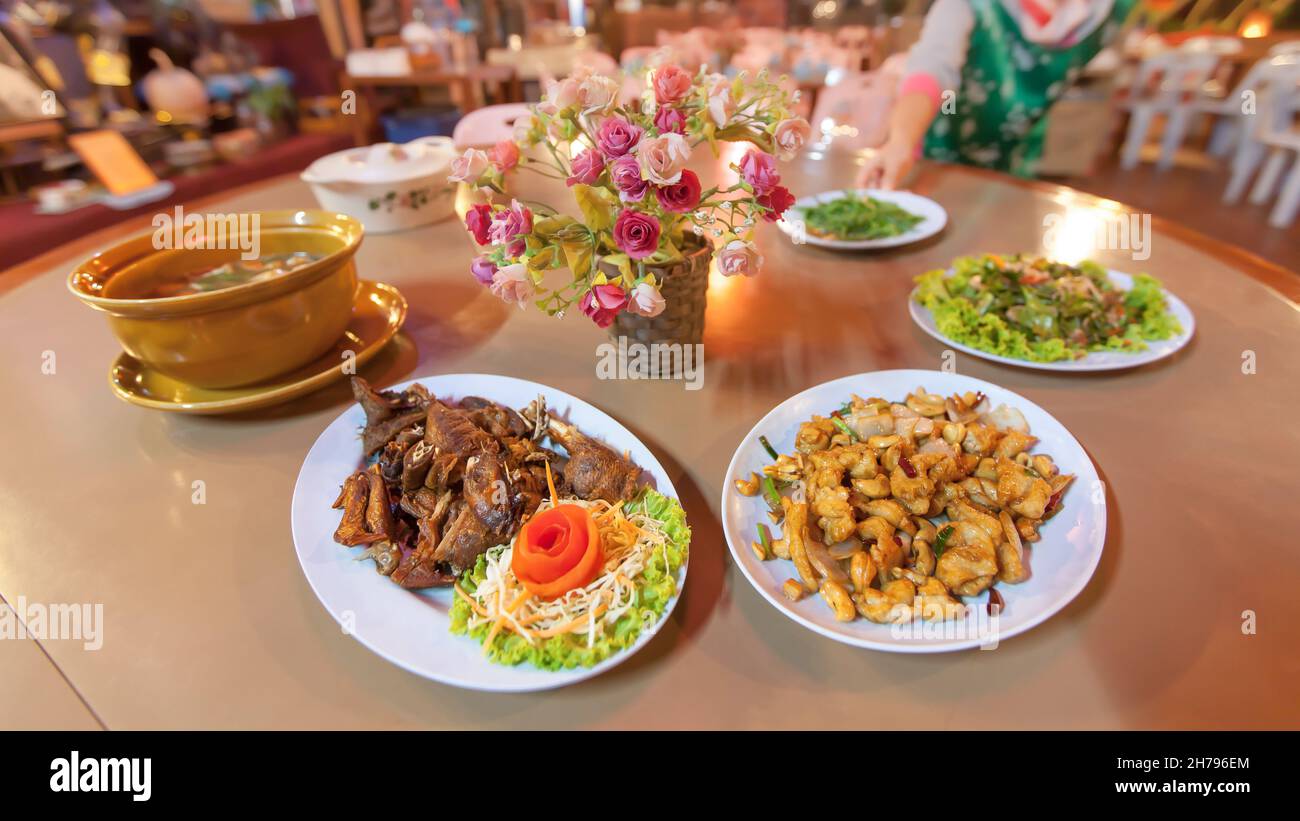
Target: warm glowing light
[1074, 239]
[719, 283]
[1257, 24]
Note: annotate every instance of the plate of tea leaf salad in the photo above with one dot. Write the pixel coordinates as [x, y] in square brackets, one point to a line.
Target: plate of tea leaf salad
[1050, 315]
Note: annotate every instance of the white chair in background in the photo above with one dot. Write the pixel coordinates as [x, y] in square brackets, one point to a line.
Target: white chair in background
[1277, 71]
[1229, 110]
[1280, 133]
[1220, 45]
[1182, 73]
[1285, 47]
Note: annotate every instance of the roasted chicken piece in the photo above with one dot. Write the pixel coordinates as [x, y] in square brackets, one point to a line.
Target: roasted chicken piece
[498, 420]
[418, 568]
[353, 498]
[450, 431]
[594, 470]
[387, 412]
[464, 540]
[367, 512]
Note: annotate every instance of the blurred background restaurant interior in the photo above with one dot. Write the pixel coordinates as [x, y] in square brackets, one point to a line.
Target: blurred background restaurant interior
[215, 94]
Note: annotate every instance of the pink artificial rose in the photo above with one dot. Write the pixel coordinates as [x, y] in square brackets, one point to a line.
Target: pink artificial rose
[625, 174]
[739, 258]
[790, 136]
[758, 168]
[563, 93]
[510, 226]
[483, 270]
[504, 155]
[671, 83]
[468, 167]
[617, 137]
[513, 284]
[586, 168]
[602, 303]
[681, 197]
[636, 233]
[598, 94]
[646, 300]
[662, 158]
[776, 202]
[670, 120]
[720, 102]
[478, 220]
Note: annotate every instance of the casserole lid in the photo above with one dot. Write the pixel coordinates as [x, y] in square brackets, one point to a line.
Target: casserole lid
[384, 162]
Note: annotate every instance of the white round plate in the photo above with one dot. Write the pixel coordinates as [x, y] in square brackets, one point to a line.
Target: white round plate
[1096, 361]
[410, 628]
[934, 219]
[1060, 563]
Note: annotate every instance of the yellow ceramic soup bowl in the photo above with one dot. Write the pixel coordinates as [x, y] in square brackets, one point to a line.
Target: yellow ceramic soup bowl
[236, 335]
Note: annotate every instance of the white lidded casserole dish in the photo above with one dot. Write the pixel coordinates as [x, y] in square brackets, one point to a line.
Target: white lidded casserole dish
[387, 186]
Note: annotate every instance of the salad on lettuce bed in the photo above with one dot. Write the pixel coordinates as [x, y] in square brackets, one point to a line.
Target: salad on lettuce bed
[1043, 311]
[581, 582]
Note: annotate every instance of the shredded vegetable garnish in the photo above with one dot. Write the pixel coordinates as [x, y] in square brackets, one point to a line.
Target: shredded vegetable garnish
[644, 543]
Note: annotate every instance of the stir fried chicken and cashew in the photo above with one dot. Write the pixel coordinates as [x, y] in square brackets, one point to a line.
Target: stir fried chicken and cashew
[448, 480]
[893, 511]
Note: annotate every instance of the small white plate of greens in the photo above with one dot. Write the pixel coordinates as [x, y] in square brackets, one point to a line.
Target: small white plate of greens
[863, 219]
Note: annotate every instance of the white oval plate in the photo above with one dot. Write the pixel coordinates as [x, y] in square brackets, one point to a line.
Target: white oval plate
[1060, 563]
[1096, 361]
[410, 628]
[934, 219]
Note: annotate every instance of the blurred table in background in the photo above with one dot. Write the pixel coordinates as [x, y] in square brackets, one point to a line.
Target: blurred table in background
[469, 89]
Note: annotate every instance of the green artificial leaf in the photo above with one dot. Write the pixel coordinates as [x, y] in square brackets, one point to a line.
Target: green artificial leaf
[548, 227]
[622, 262]
[577, 255]
[596, 210]
[540, 261]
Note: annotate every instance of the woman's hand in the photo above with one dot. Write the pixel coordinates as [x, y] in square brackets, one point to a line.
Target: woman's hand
[887, 165]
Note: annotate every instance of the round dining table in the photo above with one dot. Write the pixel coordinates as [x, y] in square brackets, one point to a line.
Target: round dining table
[1190, 621]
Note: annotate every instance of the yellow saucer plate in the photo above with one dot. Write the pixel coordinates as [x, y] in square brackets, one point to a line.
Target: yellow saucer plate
[377, 314]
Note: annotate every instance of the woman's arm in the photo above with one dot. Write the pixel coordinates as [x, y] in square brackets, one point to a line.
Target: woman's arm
[933, 67]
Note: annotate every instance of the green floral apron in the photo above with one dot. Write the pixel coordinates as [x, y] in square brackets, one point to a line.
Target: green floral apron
[999, 115]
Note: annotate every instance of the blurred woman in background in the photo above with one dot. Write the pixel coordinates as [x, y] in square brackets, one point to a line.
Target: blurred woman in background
[978, 84]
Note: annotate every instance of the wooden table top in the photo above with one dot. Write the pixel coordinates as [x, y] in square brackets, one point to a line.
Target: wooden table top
[209, 622]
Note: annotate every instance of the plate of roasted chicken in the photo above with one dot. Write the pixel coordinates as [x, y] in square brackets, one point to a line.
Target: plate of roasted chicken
[489, 532]
[914, 511]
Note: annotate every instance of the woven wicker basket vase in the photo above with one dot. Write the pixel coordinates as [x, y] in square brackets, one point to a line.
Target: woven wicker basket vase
[684, 286]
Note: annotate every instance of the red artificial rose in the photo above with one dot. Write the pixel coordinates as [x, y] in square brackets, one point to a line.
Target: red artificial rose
[636, 233]
[602, 303]
[776, 202]
[478, 220]
[681, 197]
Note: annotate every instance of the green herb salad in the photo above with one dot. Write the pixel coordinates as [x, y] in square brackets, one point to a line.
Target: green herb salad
[854, 217]
[1043, 311]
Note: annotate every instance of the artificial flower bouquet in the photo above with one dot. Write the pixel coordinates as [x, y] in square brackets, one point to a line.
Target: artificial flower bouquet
[644, 213]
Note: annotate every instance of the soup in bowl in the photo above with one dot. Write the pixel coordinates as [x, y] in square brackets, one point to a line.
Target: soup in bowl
[277, 296]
